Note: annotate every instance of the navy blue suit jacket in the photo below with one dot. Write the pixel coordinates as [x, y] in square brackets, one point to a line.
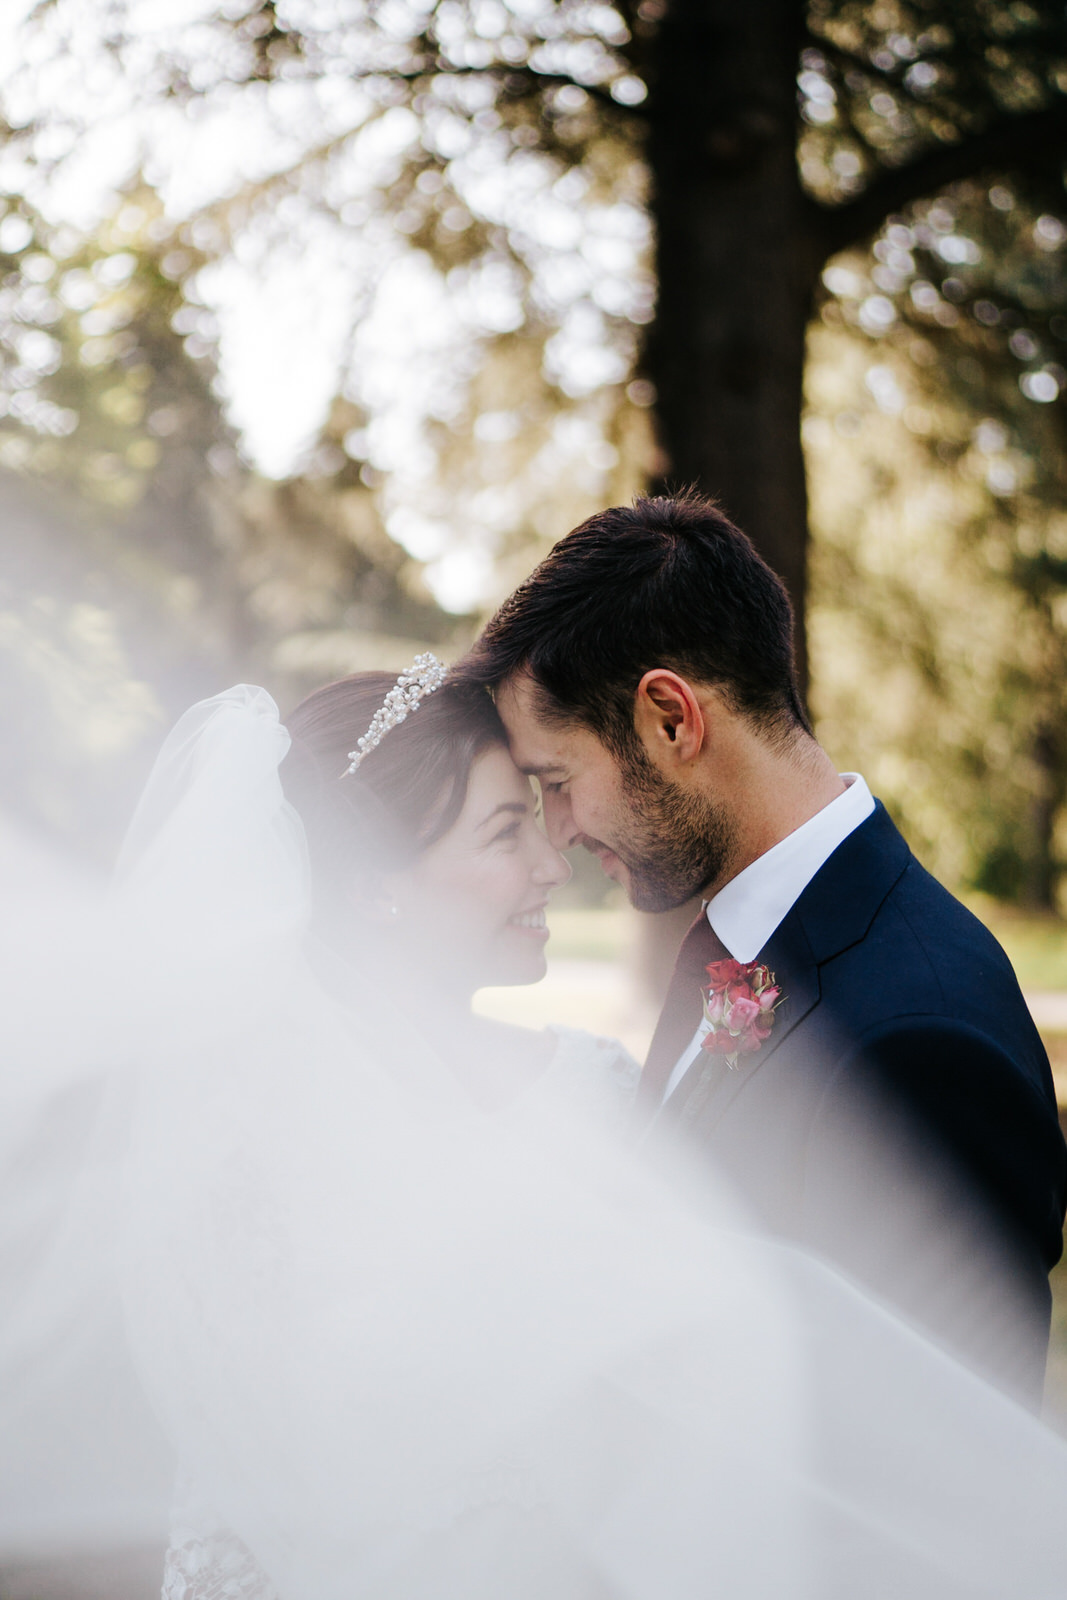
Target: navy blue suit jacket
[901, 1118]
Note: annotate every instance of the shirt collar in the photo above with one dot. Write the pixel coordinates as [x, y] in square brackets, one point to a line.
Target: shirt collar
[748, 909]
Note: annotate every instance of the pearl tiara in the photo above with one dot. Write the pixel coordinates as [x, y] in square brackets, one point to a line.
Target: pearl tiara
[424, 675]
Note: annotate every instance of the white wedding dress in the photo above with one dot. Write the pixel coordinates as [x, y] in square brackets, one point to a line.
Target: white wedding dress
[205, 1559]
[409, 1350]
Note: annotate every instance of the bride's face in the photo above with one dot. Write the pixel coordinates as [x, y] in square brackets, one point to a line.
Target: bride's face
[474, 902]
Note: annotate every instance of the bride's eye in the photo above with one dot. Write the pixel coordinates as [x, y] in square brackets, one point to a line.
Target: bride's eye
[508, 833]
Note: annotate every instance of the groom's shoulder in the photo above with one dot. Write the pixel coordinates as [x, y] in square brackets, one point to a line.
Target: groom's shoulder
[924, 952]
[920, 912]
[873, 889]
[944, 926]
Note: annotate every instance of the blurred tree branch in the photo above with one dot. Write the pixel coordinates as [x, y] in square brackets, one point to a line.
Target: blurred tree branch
[1017, 142]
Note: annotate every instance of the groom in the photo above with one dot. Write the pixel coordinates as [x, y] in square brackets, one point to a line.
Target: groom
[841, 1037]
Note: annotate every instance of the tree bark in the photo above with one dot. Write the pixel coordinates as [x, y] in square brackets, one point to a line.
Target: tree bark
[737, 263]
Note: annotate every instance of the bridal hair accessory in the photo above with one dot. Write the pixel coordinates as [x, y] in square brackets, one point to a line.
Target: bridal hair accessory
[424, 675]
[740, 999]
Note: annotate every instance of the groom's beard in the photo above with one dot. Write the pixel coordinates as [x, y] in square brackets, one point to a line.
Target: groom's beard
[672, 843]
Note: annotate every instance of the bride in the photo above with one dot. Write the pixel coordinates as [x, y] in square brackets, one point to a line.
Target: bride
[423, 852]
[418, 1324]
[425, 846]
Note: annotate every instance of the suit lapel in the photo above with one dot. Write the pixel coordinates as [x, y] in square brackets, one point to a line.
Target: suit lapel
[710, 1087]
[834, 911]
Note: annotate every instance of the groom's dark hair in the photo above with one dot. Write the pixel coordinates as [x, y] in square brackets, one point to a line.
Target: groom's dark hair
[666, 582]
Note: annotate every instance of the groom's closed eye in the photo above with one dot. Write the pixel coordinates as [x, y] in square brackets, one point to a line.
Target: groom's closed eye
[543, 786]
[550, 780]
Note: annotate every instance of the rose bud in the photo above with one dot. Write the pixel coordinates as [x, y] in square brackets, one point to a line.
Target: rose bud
[743, 1011]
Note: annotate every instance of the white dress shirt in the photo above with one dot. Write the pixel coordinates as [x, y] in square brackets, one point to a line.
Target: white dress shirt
[748, 909]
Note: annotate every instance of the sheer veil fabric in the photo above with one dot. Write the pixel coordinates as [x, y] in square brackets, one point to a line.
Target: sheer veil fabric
[408, 1350]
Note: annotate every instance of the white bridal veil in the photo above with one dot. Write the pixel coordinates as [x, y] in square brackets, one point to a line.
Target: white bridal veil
[408, 1350]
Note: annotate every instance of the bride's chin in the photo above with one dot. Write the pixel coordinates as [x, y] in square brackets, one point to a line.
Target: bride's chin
[531, 968]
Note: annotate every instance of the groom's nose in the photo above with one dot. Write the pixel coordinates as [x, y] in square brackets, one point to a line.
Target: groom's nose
[550, 868]
[559, 820]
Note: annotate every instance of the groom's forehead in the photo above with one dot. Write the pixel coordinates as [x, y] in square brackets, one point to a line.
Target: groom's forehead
[538, 747]
[527, 735]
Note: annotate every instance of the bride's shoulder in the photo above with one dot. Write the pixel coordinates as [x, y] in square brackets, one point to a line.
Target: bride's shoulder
[592, 1065]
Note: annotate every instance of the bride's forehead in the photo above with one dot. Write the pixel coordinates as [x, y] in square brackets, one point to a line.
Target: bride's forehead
[495, 775]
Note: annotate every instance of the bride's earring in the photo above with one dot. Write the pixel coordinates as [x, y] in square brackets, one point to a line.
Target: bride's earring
[394, 913]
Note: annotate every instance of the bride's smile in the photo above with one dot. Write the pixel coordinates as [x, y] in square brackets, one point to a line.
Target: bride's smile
[530, 921]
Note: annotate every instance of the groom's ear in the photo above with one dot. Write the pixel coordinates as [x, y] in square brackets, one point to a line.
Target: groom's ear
[668, 717]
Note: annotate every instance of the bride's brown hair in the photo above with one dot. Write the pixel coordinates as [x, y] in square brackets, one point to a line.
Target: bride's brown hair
[406, 794]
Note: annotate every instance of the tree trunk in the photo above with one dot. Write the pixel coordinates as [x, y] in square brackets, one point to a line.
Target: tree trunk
[735, 274]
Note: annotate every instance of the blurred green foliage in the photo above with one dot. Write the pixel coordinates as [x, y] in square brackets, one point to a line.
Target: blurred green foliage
[936, 434]
[500, 152]
[144, 561]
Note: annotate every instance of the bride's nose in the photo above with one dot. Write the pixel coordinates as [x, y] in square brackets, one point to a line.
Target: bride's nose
[550, 867]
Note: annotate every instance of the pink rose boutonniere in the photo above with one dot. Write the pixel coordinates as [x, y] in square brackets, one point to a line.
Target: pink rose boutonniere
[739, 1006]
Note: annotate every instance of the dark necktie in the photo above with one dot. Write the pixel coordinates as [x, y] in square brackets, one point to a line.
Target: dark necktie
[681, 1014]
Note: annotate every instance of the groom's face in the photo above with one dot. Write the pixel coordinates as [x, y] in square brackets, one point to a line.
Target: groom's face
[662, 844]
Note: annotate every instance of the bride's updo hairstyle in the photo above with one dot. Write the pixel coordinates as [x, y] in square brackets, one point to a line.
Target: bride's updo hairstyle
[406, 794]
